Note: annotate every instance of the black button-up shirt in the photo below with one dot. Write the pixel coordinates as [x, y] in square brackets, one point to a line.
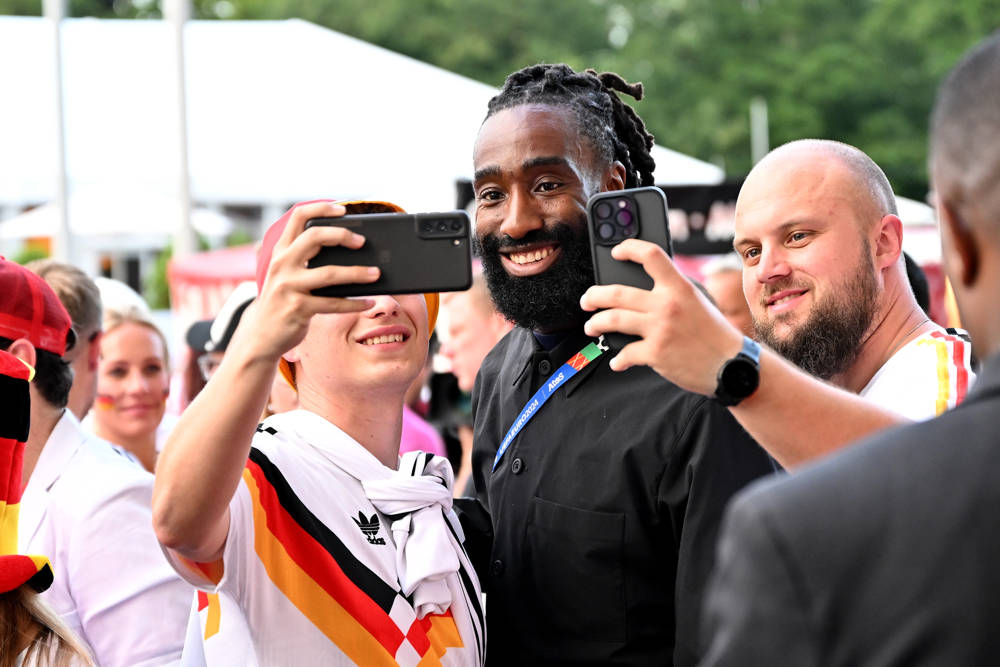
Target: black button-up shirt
[604, 508]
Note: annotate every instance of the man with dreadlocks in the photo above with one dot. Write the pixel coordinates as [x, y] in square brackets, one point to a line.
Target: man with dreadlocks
[605, 499]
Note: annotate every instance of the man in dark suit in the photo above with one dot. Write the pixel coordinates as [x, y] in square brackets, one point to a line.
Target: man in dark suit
[886, 554]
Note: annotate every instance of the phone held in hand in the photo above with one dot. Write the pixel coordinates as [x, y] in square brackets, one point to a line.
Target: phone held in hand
[416, 252]
[612, 217]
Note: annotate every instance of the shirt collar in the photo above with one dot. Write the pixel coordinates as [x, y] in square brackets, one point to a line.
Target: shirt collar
[572, 342]
[311, 430]
[62, 444]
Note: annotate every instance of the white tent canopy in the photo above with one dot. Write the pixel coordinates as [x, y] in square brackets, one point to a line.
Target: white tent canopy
[277, 111]
[131, 220]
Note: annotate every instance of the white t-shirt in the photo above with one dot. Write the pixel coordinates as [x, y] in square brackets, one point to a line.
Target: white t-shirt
[311, 567]
[925, 377]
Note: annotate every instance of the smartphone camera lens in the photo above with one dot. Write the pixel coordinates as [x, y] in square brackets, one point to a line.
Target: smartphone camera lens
[624, 217]
[456, 225]
[442, 226]
[427, 226]
[606, 230]
[604, 210]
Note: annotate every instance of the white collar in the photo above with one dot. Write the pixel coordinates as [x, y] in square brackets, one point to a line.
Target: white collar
[64, 442]
[62, 445]
[331, 442]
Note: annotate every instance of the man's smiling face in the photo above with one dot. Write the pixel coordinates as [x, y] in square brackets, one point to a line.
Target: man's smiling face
[533, 175]
[808, 272]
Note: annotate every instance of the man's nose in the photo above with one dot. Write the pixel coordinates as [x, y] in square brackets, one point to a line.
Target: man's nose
[522, 216]
[773, 265]
[385, 305]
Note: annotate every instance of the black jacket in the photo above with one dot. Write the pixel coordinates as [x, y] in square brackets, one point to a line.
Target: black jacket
[604, 508]
[884, 554]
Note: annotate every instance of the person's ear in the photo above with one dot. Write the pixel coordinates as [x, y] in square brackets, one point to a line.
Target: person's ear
[24, 350]
[888, 241]
[614, 177]
[94, 351]
[959, 250]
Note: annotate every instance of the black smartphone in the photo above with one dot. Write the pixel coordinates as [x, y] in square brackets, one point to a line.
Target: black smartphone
[416, 252]
[612, 217]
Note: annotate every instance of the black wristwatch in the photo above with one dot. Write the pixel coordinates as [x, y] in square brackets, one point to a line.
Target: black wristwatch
[739, 376]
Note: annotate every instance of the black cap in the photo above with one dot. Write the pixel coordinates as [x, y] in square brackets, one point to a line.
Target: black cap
[214, 335]
[197, 335]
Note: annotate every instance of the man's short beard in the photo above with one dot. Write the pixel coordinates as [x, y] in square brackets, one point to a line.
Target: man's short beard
[550, 301]
[829, 342]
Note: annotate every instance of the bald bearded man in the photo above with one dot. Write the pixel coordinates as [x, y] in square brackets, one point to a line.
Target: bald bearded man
[821, 243]
[824, 276]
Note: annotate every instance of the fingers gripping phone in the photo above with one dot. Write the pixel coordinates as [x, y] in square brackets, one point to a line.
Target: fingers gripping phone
[612, 217]
[421, 252]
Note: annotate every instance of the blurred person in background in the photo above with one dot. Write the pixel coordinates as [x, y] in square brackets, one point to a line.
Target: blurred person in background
[474, 327]
[116, 295]
[419, 435]
[209, 338]
[85, 504]
[82, 299]
[282, 399]
[918, 283]
[722, 279]
[133, 382]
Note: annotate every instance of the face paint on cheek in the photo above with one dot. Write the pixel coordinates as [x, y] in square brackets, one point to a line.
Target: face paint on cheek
[104, 402]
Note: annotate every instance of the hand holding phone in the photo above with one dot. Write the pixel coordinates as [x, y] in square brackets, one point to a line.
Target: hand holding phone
[416, 253]
[612, 217]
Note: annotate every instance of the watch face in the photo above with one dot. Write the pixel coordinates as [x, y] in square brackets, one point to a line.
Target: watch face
[740, 378]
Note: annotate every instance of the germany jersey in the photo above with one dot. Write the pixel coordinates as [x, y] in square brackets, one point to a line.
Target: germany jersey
[309, 571]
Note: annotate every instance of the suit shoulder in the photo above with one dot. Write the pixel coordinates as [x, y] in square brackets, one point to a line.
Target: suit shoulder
[877, 475]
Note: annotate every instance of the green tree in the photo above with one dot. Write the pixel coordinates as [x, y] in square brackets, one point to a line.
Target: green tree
[860, 71]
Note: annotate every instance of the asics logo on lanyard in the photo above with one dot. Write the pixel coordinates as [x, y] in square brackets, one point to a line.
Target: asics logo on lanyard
[557, 379]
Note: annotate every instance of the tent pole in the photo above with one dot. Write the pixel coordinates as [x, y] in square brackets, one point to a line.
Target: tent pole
[176, 13]
[62, 243]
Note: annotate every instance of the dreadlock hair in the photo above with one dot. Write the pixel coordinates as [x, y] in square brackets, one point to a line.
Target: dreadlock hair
[614, 128]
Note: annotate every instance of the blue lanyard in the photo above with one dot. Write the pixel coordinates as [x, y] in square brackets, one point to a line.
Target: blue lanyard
[556, 380]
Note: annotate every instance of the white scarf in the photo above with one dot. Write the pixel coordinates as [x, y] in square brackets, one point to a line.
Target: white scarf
[417, 498]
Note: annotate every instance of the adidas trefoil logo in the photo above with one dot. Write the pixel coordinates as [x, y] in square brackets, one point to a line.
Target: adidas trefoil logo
[369, 527]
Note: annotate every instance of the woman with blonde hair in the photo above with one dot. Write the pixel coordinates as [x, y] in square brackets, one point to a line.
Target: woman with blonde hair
[133, 382]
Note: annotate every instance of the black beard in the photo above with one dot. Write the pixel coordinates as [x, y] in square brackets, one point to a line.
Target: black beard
[830, 340]
[550, 301]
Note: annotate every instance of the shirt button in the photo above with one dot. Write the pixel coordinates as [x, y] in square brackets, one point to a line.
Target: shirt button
[497, 567]
[516, 466]
[544, 367]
